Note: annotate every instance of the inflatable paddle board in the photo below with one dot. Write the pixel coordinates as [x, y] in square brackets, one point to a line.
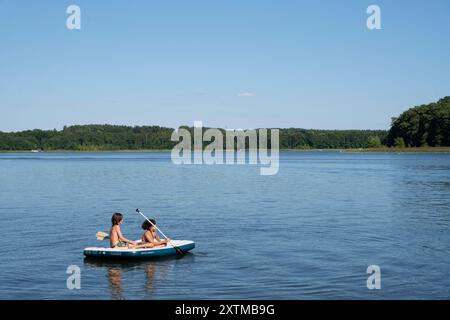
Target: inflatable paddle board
[102, 252]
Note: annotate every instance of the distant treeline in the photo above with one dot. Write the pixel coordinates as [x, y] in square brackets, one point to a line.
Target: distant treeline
[112, 137]
[426, 125]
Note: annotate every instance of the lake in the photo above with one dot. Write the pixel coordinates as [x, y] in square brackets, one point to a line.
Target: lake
[309, 232]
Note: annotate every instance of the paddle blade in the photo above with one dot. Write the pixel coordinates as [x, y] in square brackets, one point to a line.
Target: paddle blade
[102, 235]
[179, 251]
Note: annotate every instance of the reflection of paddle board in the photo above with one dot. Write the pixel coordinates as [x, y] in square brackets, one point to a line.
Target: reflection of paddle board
[168, 250]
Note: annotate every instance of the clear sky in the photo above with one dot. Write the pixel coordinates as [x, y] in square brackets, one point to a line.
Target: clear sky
[228, 63]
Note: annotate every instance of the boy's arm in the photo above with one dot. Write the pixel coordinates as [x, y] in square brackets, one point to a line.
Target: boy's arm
[159, 240]
[156, 236]
[122, 238]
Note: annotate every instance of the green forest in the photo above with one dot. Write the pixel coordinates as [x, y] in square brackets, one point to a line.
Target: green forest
[422, 126]
[425, 125]
[111, 137]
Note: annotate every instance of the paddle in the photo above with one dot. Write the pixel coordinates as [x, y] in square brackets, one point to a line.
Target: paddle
[177, 249]
[102, 235]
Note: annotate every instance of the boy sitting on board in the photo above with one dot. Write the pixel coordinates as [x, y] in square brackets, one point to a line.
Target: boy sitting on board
[117, 240]
[150, 238]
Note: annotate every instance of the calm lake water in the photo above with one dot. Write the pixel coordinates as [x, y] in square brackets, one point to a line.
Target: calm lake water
[309, 232]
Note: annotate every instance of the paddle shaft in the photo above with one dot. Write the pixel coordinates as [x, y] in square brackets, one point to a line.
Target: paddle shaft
[162, 233]
[175, 247]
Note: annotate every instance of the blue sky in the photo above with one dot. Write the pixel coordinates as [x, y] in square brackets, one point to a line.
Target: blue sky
[231, 64]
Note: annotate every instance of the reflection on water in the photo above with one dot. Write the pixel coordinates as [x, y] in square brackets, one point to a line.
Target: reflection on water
[150, 271]
[154, 272]
[155, 276]
[115, 280]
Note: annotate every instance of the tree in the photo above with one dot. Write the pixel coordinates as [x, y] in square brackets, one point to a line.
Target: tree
[399, 142]
[374, 142]
[425, 125]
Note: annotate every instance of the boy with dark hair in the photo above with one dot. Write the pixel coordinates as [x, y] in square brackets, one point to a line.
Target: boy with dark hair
[150, 236]
[116, 237]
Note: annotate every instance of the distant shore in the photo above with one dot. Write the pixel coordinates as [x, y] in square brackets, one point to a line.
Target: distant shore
[350, 150]
[380, 150]
[401, 150]
[83, 151]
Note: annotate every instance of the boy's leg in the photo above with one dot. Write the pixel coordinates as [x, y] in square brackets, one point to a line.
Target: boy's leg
[144, 246]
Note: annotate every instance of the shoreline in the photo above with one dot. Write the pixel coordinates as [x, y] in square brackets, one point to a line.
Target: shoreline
[350, 150]
[401, 150]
